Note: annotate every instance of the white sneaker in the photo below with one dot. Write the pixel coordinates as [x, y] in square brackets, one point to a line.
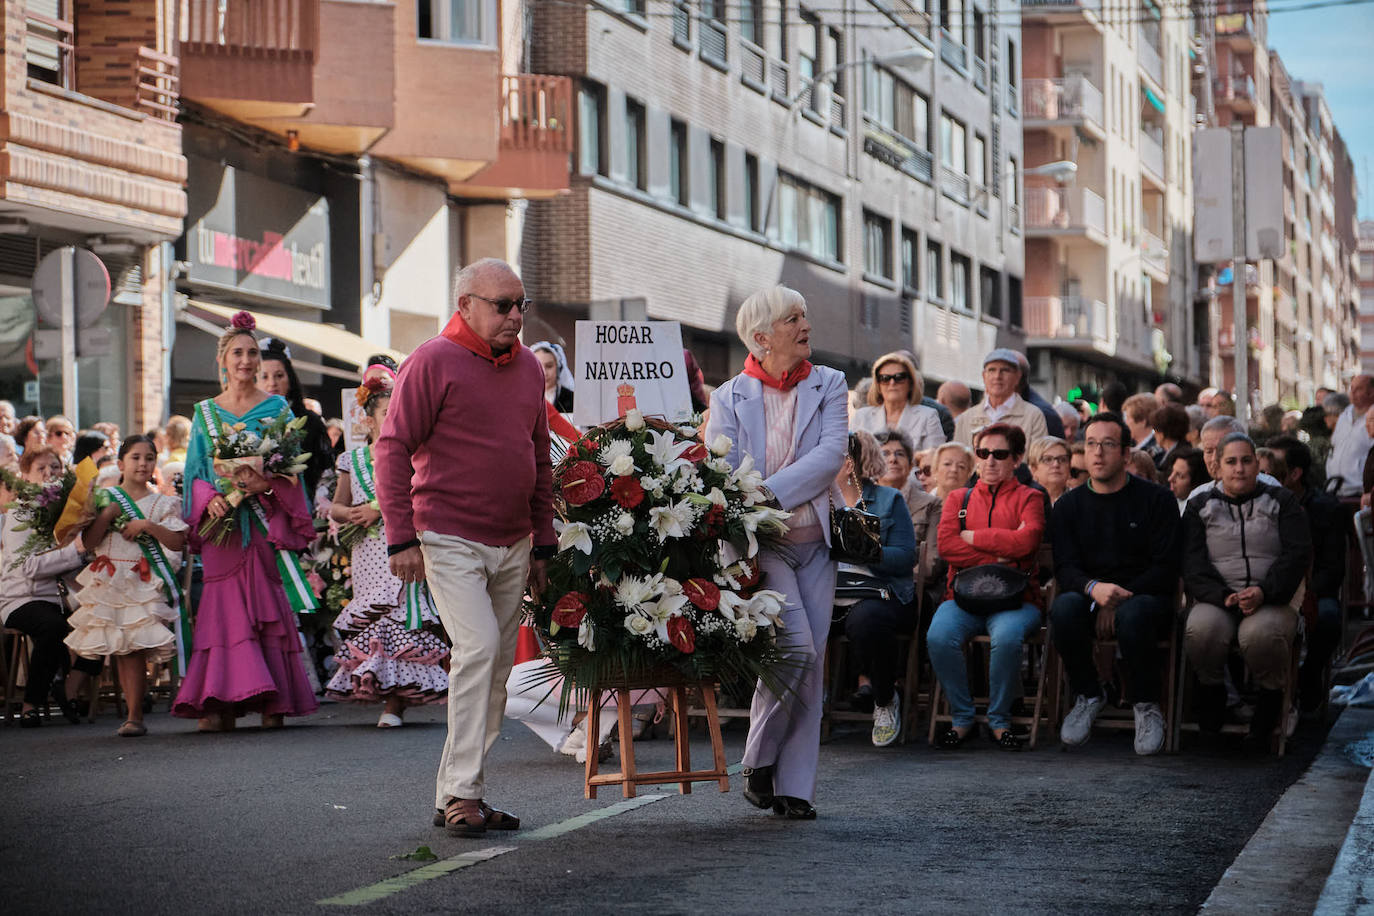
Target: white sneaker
[887, 722]
[390, 720]
[575, 742]
[1149, 729]
[1078, 724]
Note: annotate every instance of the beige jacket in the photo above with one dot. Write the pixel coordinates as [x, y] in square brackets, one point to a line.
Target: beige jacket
[1021, 413]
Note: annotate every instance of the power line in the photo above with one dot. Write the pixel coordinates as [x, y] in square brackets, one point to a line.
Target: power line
[894, 15]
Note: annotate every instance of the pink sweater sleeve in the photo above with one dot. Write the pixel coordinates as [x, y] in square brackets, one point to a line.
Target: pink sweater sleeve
[414, 404]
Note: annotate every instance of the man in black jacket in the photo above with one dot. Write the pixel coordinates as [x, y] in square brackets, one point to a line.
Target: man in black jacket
[1116, 542]
[1328, 523]
[1246, 549]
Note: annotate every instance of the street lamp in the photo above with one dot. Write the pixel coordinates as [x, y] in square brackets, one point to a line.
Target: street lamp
[914, 56]
[1062, 171]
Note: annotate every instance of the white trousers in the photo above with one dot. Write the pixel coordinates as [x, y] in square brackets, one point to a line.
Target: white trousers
[477, 590]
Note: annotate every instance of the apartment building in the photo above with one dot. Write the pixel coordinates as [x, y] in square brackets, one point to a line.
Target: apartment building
[345, 157]
[1366, 267]
[870, 160]
[91, 157]
[1108, 253]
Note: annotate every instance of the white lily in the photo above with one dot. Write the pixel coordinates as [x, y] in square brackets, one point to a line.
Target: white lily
[665, 449]
[673, 521]
[586, 637]
[733, 605]
[763, 519]
[747, 480]
[766, 606]
[578, 535]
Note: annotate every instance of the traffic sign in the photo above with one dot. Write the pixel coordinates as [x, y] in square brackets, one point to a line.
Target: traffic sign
[91, 291]
[47, 343]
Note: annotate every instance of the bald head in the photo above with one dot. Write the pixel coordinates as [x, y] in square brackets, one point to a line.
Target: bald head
[955, 396]
[1169, 393]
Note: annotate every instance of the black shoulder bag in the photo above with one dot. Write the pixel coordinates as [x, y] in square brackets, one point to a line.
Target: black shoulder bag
[991, 587]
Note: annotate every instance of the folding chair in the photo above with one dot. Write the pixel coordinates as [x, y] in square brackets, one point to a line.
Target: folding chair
[836, 665]
[1044, 713]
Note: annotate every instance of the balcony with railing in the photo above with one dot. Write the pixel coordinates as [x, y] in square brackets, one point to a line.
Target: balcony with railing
[1238, 91]
[713, 41]
[955, 185]
[1239, 30]
[952, 52]
[1153, 254]
[907, 15]
[1070, 101]
[1152, 158]
[536, 138]
[897, 151]
[1067, 321]
[1066, 212]
[256, 56]
[980, 74]
[1148, 55]
[1061, 10]
[764, 73]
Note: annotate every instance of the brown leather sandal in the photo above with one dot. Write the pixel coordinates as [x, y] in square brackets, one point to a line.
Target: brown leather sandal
[464, 817]
[498, 819]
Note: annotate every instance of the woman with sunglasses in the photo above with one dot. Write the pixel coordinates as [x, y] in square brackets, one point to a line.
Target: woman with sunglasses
[1050, 461]
[895, 403]
[1003, 523]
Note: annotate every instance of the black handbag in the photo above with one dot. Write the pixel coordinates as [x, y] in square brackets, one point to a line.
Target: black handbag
[856, 536]
[991, 587]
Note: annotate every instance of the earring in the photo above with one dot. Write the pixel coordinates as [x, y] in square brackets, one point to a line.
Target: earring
[223, 375]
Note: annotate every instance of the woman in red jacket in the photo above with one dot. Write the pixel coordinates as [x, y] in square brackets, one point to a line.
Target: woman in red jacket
[1003, 523]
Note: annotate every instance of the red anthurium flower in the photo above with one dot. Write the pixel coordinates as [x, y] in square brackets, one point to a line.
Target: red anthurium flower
[696, 453]
[570, 609]
[703, 593]
[583, 483]
[627, 492]
[681, 635]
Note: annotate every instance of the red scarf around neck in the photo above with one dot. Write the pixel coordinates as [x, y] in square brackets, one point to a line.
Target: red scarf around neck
[457, 330]
[754, 369]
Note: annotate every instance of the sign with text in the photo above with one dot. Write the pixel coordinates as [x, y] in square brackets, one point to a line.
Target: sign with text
[355, 430]
[624, 364]
[256, 236]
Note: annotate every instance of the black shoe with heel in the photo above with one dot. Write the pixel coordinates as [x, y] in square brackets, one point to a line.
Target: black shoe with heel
[758, 786]
[794, 809]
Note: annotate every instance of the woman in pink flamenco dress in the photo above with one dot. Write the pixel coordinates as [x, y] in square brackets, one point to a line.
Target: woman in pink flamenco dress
[246, 651]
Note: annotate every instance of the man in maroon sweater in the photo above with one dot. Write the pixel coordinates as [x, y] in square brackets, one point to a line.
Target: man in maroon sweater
[466, 489]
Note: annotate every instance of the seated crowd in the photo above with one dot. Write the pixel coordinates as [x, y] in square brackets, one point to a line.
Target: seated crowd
[1120, 523]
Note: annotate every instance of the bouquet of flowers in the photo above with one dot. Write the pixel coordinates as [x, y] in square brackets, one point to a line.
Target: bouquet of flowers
[657, 562]
[37, 508]
[275, 452]
[331, 575]
[103, 500]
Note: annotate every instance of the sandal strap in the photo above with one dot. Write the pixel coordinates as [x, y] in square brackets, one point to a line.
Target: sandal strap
[465, 811]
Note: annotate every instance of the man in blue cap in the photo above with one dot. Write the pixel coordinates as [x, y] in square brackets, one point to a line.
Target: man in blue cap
[1000, 404]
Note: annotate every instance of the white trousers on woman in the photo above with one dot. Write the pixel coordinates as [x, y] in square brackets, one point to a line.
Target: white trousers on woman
[786, 733]
[477, 590]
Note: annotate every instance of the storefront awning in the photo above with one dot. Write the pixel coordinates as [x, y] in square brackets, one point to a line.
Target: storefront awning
[324, 339]
[1154, 100]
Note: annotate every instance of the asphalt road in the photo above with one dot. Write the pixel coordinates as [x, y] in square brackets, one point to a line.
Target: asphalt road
[272, 822]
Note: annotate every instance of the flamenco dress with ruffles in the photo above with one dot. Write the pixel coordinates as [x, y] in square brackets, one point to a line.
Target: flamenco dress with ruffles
[121, 607]
[246, 651]
[379, 656]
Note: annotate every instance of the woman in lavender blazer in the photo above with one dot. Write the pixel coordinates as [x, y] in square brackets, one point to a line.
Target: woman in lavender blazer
[791, 417]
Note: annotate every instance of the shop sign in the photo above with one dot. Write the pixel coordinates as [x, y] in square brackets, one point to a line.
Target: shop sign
[624, 364]
[255, 236]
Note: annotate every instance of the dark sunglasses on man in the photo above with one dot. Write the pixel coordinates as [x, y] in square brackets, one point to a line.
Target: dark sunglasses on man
[998, 454]
[503, 306]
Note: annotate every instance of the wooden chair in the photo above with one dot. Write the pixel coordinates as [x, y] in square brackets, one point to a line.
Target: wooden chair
[1182, 708]
[1044, 713]
[1119, 718]
[15, 659]
[836, 670]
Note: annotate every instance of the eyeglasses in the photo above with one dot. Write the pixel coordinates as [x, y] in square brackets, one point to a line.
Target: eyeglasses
[1076, 473]
[894, 379]
[1103, 445]
[503, 306]
[997, 454]
[923, 472]
[1054, 459]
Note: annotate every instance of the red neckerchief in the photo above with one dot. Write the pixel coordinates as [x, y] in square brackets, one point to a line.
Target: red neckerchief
[789, 380]
[457, 330]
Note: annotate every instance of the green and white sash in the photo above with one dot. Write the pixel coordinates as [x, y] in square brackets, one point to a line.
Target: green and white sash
[158, 562]
[361, 459]
[415, 593]
[298, 591]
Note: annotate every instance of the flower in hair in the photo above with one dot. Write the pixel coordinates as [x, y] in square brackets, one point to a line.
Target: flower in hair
[243, 321]
[372, 384]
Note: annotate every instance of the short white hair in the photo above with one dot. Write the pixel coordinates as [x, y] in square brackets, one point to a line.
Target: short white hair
[465, 279]
[761, 311]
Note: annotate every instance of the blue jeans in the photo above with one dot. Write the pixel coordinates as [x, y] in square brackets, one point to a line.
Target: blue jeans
[951, 629]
